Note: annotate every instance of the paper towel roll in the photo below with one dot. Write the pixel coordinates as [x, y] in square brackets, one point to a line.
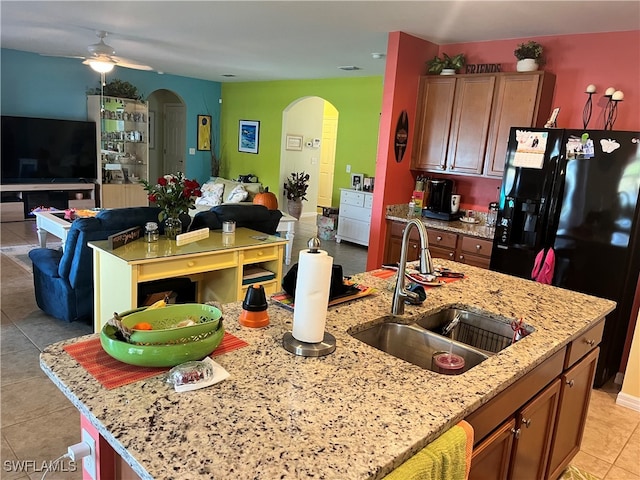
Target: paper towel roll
[312, 296]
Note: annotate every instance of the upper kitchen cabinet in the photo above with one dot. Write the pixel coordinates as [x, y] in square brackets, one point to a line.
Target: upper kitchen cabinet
[520, 100]
[463, 121]
[123, 149]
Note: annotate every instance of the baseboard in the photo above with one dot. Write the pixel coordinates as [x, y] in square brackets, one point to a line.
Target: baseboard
[628, 401]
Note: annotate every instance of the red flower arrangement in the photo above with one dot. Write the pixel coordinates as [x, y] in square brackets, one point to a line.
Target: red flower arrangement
[173, 193]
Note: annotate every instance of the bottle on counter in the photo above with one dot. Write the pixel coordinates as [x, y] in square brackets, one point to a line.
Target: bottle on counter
[412, 208]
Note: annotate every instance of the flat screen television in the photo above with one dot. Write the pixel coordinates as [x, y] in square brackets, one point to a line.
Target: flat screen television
[46, 150]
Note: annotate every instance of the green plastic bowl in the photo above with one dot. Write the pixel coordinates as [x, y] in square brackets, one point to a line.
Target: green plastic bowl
[158, 355]
[164, 321]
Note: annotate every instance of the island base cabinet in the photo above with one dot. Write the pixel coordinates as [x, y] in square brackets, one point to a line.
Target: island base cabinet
[534, 428]
[490, 459]
[519, 448]
[575, 393]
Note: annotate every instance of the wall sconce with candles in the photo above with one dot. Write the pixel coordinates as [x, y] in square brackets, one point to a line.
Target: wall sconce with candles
[588, 107]
[611, 108]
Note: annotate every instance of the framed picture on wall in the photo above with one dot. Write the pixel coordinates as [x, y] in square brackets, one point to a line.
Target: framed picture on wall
[294, 142]
[248, 136]
[204, 132]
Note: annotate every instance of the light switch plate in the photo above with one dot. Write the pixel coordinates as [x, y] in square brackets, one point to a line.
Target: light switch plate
[192, 151]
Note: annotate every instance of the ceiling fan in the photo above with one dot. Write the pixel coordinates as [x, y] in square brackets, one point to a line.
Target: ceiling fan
[102, 57]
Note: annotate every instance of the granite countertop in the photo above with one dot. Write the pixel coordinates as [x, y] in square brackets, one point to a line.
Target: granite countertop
[355, 414]
[398, 213]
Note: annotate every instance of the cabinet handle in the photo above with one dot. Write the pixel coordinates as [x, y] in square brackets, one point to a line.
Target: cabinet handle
[439, 238]
[571, 383]
[461, 257]
[516, 432]
[591, 343]
[414, 246]
[443, 166]
[478, 247]
[451, 256]
[526, 422]
[191, 263]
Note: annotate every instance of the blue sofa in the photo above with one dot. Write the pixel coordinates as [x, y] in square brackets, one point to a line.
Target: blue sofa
[255, 217]
[63, 282]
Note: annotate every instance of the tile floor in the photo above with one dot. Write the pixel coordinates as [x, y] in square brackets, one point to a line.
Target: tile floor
[38, 423]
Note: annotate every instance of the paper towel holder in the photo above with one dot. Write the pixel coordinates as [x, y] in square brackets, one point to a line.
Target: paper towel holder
[305, 349]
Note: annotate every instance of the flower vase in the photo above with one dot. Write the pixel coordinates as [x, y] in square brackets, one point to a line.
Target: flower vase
[294, 207]
[172, 227]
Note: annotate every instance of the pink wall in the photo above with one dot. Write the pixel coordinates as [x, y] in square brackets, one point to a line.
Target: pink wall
[604, 59]
[394, 181]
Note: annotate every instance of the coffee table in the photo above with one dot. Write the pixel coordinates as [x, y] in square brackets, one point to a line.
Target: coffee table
[52, 222]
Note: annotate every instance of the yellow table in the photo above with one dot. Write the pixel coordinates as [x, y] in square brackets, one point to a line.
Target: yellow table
[216, 264]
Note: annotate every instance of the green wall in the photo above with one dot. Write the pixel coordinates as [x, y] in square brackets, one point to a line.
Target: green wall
[358, 101]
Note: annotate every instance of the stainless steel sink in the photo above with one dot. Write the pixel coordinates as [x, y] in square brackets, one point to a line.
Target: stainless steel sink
[415, 344]
[480, 331]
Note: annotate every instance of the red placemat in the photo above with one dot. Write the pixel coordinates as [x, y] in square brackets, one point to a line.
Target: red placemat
[388, 273]
[112, 373]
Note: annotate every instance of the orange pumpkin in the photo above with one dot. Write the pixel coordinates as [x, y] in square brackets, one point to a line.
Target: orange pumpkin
[266, 198]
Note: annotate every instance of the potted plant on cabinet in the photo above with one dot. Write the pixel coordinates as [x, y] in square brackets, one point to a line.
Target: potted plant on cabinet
[529, 56]
[295, 189]
[446, 65]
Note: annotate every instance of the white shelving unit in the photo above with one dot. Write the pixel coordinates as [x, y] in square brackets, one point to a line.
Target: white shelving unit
[354, 217]
[123, 149]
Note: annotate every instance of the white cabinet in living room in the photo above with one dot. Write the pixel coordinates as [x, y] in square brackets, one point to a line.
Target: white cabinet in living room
[354, 217]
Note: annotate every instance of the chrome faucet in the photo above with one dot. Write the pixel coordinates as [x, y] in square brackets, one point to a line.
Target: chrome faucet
[401, 294]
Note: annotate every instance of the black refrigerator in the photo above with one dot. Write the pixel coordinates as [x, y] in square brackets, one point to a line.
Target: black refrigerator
[575, 191]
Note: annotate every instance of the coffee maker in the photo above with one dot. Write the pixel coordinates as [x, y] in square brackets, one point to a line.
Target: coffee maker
[439, 204]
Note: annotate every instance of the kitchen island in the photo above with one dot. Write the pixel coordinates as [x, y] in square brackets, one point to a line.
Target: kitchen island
[355, 414]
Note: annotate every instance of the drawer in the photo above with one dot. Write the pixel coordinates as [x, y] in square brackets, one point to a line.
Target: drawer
[182, 266]
[348, 197]
[357, 213]
[368, 201]
[584, 344]
[442, 239]
[477, 246]
[260, 254]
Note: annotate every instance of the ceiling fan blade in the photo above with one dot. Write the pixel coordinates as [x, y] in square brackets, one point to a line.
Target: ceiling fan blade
[61, 56]
[123, 62]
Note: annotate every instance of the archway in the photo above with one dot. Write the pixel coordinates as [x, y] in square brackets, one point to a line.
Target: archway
[167, 152]
[316, 121]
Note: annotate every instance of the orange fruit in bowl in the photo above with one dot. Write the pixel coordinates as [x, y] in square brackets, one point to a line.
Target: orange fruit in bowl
[143, 326]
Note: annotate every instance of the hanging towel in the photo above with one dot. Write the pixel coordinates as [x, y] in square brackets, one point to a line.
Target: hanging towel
[543, 269]
[446, 458]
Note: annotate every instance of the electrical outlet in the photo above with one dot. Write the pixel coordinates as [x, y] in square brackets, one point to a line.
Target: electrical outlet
[348, 168]
[89, 462]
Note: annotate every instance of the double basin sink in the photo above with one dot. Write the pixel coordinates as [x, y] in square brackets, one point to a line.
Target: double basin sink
[470, 335]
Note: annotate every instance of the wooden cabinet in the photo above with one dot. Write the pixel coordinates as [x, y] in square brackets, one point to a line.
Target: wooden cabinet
[470, 124]
[126, 195]
[354, 217]
[519, 447]
[520, 100]
[474, 251]
[534, 429]
[463, 122]
[540, 418]
[433, 121]
[442, 244]
[572, 413]
[123, 151]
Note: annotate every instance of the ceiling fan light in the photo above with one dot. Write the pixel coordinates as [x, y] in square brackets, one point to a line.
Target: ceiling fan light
[100, 66]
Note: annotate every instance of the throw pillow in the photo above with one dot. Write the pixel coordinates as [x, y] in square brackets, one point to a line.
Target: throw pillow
[237, 195]
[211, 194]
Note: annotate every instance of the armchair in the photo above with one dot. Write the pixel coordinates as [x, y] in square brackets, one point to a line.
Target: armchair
[63, 281]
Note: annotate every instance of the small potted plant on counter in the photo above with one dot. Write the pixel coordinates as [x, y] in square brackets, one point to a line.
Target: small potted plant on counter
[529, 55]
[446, 65]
